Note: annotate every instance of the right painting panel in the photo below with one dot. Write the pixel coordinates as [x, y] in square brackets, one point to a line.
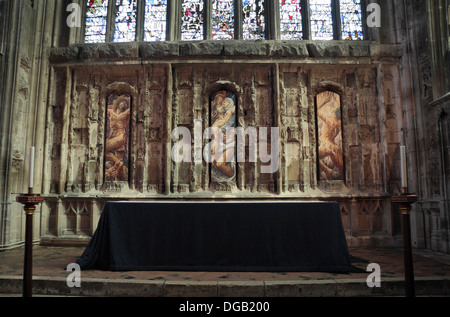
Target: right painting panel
[329, 132]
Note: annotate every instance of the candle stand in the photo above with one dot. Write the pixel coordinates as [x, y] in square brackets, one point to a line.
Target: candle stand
[404, 202]
[29, 201]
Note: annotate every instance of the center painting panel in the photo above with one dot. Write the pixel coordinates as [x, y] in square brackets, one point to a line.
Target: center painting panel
[223, 118]
[117, 147]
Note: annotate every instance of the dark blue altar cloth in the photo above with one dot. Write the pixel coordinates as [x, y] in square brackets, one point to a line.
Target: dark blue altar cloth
[270, 236]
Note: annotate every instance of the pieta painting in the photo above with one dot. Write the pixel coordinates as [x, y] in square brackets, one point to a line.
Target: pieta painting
[329, 130]
[117, 137]
[223, 118]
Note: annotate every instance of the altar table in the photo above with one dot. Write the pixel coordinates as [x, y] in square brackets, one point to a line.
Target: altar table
[243, 236]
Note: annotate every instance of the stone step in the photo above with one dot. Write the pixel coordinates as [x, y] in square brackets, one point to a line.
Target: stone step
[93, 287]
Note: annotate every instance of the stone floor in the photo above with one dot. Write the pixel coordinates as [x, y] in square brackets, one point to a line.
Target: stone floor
[431, 270]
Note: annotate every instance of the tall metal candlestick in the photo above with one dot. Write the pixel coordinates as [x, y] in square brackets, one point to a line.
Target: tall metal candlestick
[29, 201]
[404, 202]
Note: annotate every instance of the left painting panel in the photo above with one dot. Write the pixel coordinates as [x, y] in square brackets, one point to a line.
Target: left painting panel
[117, 145]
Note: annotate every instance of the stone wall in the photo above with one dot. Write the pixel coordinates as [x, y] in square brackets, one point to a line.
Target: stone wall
[430, 55]
[26, 34]
[425, 90]
[276, 84]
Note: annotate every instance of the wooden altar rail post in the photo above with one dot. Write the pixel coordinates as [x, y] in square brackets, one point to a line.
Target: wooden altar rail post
[405, 201]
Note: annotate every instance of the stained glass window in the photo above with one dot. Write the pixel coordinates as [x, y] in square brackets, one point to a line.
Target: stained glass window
[253, 20]
[321, 18]
[351, 20]
[192, 20]
[291, 20]
[125, 27]
[155, 20]
[223, 20]
[96, 17]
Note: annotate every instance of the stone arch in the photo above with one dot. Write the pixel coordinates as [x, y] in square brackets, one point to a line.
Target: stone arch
[327, 85]
[224, 85]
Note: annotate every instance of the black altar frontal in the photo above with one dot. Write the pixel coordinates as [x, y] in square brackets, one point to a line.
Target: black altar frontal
[219, 236]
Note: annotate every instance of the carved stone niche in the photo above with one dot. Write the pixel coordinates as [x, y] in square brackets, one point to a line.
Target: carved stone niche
[371, 213]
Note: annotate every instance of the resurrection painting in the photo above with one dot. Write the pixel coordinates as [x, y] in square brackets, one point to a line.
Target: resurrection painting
[329, 130]
[223, 117]
[117, 138]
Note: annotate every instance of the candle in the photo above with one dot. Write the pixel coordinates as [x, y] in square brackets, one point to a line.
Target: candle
[31, 169]
[403, 167]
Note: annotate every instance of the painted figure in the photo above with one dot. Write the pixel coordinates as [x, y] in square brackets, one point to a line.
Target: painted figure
[223, 116]
[116, 148]
[331, 162]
